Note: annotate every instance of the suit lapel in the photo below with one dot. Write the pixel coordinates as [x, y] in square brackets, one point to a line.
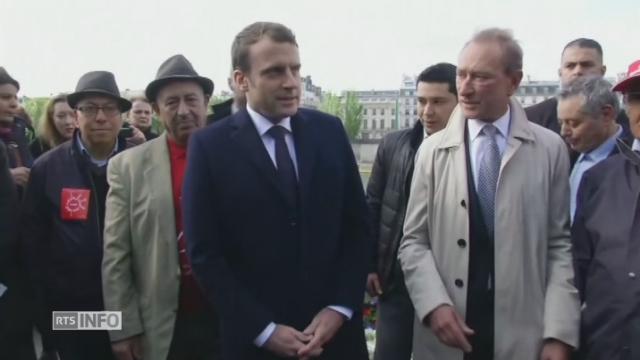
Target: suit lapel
[246, 136]
[157, 175]
[306, 148]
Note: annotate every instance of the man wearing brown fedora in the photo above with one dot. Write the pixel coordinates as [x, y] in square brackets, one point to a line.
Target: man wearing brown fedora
[64, 208]
[146, 273]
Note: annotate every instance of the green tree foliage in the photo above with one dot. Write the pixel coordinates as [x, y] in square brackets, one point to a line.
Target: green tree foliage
[352, 115]
[347, 108]
[35, 107]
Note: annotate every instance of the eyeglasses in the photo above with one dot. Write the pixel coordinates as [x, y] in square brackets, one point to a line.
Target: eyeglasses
[632, 97]
[92, 110]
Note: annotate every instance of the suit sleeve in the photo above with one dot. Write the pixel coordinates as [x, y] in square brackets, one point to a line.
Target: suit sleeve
[7, 224]
[425, 286]
[355, 256]
[562, 307]
[118, 285]
[242, 317]
[581, 241]
[375, 192]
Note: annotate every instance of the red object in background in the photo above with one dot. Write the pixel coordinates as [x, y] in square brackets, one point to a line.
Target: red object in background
[74, 204]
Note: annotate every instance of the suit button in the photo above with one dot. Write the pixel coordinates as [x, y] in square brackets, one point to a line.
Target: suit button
[459, 283]
[462, 243]
[293, 224]
[632, 275]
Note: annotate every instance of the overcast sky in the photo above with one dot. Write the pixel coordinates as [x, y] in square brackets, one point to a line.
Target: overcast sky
[344, 44]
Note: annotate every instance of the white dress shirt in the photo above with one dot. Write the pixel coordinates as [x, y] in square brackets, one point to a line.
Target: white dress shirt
[263, 125]
[474, 126]
[636, 145]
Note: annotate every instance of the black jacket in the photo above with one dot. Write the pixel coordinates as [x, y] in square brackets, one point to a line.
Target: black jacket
[220, 111]
[65, 255]
[387, 195]
[606, 255]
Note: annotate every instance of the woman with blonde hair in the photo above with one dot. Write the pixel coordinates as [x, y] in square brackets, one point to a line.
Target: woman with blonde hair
[57, 126]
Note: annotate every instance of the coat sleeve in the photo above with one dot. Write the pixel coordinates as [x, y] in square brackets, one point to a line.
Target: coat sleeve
[375, 192]
[562, 307]
[118, 285]
[581, 241]
[355, 255]
[425, 286]
[243, 318]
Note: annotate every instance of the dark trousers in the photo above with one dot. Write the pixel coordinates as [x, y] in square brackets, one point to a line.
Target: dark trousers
[394, 325]
[195, 337]
[17, 345]
[480, 318]
[83, 345]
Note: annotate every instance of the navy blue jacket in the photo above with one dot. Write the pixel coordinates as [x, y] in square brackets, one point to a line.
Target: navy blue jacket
[258, 260]
[65, 256]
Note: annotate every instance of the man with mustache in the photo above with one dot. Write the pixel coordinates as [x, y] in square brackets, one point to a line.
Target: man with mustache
[64, 207]
[146, 273]
[486, 252]
[275, 216]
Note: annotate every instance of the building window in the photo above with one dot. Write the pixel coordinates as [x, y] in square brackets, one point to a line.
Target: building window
[393, 111]
[364, 124]
[406, 112]
[415, 111]
[381, 123]
[406, 123]
[381, 111]
[373, 111]
[364, 112]
[374, 124]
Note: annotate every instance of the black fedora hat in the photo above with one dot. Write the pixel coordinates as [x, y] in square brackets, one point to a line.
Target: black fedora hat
[101, 83]
[175, 68]
[5, 78]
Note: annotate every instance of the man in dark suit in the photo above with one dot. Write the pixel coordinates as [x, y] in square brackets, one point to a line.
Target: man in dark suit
[580, 58]
[587, 110]
[275, 216]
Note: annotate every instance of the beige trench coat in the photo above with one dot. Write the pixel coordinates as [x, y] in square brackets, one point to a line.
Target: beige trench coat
[140, 267]
[535, 297]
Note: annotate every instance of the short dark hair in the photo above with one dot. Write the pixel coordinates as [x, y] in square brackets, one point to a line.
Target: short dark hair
[440, 73]
[251, 35]
[584, 43]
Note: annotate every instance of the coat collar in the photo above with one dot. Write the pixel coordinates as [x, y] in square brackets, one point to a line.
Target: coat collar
[626, 151]
[454, 132]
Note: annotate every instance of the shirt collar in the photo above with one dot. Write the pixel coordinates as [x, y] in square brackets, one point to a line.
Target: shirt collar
[475, 125]
[263, 124]
[602, 151]
[84, 151]
[636, 145]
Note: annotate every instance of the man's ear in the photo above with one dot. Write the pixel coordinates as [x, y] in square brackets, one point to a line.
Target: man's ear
[241, 80]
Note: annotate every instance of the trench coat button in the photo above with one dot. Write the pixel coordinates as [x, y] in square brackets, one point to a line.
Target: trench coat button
[459, 283]
[463, 203]
[462, 243]
[632, 275]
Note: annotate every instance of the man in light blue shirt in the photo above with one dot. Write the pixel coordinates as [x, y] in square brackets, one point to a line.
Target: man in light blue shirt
[587, 111]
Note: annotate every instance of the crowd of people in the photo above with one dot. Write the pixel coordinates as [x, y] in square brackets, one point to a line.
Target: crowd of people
[487, 230]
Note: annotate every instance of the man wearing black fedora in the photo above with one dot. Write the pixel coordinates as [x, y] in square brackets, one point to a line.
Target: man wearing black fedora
[146, 273]
[64, 208]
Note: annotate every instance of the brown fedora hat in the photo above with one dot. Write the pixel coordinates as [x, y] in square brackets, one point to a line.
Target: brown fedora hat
[101, 83]
[175, 68]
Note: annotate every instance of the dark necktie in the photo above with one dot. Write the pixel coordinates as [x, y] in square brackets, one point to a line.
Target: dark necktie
[284, 164]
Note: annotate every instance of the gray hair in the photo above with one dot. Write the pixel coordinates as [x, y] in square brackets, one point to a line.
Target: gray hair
[511, 50]
[596, 92]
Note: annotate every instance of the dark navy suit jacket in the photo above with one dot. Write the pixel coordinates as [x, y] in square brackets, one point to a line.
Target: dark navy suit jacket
[258, 259]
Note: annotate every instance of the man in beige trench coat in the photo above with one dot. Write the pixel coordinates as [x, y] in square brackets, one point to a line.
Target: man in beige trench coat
[486, 249]
[145, 270]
